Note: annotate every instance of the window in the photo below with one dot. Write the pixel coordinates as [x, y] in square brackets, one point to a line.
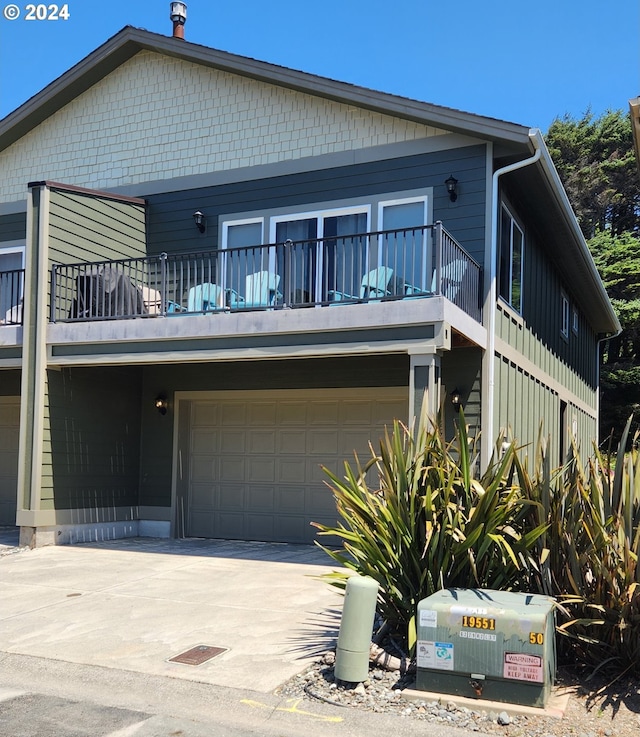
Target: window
[575, 320]
[11, 283]
[564, 329]
[406, 252]
[510, 260]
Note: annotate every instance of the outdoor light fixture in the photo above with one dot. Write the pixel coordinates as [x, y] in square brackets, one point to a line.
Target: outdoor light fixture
[452, 188]
[456, 398]
[200, 221]
[161, 404]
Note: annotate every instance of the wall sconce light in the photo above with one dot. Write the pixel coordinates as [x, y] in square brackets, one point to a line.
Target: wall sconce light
[456, 399]
[452, 188]
[161, 404]
[200, 221]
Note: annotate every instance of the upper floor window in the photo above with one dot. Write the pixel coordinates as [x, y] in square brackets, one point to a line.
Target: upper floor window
[510, 260]
[564, 326]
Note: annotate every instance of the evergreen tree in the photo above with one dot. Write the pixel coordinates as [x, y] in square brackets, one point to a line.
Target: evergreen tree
[596, 162]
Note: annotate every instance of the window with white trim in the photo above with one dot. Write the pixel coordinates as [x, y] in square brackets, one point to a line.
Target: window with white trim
[510, 260]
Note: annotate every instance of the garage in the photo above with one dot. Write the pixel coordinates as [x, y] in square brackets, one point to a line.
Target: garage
[255, 457]
[9, 431]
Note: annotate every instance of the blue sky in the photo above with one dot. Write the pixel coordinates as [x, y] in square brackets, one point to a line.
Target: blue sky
[518, 61]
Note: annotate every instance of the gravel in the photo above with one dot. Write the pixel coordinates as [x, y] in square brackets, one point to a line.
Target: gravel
[613, 713]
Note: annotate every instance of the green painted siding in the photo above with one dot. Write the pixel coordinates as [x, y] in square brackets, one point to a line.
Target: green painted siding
[157, 430]
[91, 438]
[171, 227]
[9, 382]
[13, 227]
[462, 370]
[86, 227]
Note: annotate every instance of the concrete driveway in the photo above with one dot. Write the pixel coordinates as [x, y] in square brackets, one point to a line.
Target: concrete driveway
[135, 604]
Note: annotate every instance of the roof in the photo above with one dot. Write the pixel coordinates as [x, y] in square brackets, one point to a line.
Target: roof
[555, 215]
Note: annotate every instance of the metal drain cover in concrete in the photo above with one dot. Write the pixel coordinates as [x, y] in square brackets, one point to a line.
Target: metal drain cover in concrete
[198, 655]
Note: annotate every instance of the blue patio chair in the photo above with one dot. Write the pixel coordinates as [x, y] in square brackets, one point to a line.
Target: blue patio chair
[204, 298]
[452, 275]
[374, 285]
[261, 290]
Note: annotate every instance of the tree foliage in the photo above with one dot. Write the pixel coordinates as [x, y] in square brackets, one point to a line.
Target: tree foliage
[596, 162]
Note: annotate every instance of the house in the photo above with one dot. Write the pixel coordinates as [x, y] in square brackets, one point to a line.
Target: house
[218, 274]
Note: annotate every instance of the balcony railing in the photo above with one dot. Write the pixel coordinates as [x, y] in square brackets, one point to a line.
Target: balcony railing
[340, 269]
[11, 291]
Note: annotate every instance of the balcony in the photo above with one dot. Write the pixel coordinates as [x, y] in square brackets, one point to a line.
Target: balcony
[385, 266]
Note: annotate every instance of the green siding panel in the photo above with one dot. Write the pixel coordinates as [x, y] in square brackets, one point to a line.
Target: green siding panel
[13, 227]
[91, 438]
[87, 227]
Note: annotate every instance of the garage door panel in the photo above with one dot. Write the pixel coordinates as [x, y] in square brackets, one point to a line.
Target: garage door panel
[262, 441]
[261, 469]
[9, 439]
[230, 525]
[293, 529]
[356, 413]
[291, 470]
[291, 500]
[233, 441]
[267, 467]
[230, 498]
[232, 469]
[261, 498]
[200, 523]
[324, 413]
[203, 495]
[204, 469]
[205, 414]
[292, 441]
[258, 526]
[292, 413]
[323, 442]
[233, 414]
[262, 413]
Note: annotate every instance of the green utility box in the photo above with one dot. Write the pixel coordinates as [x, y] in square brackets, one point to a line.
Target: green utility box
[494, 645]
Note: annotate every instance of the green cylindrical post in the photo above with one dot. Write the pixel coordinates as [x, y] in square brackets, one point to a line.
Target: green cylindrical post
[356, 626]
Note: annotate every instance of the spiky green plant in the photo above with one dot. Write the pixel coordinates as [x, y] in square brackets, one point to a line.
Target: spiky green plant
[594, 542]
[426, 522]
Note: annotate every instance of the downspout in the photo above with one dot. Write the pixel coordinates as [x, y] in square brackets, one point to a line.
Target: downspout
[488, 414]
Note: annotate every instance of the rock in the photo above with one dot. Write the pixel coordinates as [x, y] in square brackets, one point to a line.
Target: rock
[504, 718]
[360, 689]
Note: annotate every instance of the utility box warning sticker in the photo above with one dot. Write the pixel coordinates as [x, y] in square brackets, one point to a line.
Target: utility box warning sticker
[523, 667]
[435, 655]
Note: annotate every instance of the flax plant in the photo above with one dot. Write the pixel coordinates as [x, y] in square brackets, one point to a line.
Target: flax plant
[416, 519]
[594, 543]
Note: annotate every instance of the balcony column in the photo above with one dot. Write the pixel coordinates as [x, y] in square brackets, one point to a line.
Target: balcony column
[424, 384]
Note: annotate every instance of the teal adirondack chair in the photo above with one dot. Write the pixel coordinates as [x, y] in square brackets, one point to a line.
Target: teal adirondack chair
[261, 290]
[374, 285]
[204, 298]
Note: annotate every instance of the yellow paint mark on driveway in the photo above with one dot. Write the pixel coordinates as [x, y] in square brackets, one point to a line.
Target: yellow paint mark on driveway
[293, 709]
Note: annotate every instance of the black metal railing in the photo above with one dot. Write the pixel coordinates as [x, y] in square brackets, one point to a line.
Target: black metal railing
[408, 263]
[11, 292]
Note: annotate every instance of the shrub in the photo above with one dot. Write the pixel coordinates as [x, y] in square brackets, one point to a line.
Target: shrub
[426, 522]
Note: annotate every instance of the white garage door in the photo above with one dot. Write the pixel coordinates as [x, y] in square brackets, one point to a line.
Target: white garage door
[9, 430]
[255, 457]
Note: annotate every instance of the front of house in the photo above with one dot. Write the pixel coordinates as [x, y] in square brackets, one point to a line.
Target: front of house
[218, 275]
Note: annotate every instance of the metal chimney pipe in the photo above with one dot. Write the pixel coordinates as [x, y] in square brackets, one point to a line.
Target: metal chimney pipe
[178, 15]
